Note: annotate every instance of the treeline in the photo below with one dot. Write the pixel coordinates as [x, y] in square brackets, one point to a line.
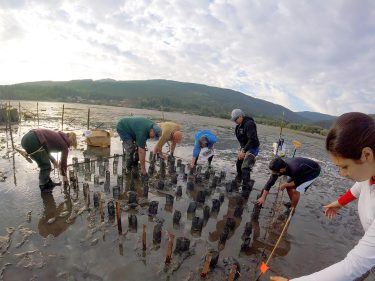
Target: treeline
[293, 126]
[161, 95]
[167, 104]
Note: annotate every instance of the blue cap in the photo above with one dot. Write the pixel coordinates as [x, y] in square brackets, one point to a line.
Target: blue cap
[157, 131]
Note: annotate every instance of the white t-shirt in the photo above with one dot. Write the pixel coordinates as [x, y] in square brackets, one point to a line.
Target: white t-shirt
[362, 257]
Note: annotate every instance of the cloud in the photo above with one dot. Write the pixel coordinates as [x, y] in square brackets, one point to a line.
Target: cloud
[305, 55]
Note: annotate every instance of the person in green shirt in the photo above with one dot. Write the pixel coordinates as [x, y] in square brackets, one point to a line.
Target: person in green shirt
[170, 132]
[134, 131]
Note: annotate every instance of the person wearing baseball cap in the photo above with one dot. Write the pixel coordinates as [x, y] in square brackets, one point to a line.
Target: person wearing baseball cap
[247, 136]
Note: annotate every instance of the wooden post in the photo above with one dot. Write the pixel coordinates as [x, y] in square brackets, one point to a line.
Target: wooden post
[10, 127]
[37, 112]
[118, 215]
[6, 123]
[206, 265]
[19, 112]
[169, 249]
[101, 203]
[62, 119]
[88, 119]
[144, 238]
[14, 171]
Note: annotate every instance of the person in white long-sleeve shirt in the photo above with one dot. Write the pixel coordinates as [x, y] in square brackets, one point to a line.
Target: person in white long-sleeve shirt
[351, 145]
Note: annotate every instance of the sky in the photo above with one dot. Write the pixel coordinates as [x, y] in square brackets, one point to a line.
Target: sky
[302, 54]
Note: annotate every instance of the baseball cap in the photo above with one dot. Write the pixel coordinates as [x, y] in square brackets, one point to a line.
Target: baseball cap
[236, 113]
[157, 131]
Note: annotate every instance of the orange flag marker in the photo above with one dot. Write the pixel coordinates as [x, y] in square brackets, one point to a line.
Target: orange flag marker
[264, 267]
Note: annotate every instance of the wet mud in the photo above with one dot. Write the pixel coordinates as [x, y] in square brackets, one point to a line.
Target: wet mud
[170, 224]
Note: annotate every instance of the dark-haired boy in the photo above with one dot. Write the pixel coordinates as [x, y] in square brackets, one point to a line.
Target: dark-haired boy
[301, 174]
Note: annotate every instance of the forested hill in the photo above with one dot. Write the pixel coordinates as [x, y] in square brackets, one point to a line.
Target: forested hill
[167, 95]
[154, 94]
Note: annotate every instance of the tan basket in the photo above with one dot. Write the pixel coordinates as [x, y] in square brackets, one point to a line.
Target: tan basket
[99, 138]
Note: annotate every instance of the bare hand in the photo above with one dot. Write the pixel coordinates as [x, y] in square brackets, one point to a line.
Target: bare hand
[241, 155]
[331, 209]
[283, 186]
[260, 200]
[278, 278]
[143, 172]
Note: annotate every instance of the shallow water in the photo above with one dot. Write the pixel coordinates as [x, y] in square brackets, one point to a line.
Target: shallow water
[56, 237]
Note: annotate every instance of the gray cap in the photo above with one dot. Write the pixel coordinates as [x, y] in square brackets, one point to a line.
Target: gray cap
[236, 113]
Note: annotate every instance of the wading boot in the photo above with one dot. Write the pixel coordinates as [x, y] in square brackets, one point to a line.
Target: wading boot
[288, 205]
[238, 179]
[49, 186]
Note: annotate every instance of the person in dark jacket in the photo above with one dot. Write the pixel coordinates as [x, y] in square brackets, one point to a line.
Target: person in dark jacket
[247, 136]
[39, 143]
[301, 173]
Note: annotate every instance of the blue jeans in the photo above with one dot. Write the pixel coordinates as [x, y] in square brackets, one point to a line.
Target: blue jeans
[127, 140]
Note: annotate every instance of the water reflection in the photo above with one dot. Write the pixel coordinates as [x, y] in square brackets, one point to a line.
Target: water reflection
[54, 216]
[95, 152]
[266, 244]
[221, 224]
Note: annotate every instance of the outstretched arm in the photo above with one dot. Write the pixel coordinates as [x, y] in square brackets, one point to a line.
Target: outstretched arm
[142, 160]
[262, 198]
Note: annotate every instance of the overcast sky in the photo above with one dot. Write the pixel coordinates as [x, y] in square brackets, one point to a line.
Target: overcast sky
[305, 55]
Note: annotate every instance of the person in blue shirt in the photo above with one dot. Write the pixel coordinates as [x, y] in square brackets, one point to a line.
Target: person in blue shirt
[203, 139]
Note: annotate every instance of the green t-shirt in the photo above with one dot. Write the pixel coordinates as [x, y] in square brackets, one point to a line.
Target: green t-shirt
[137, 127]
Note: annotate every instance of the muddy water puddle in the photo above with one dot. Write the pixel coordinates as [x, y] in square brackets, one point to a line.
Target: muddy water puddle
[64, 236]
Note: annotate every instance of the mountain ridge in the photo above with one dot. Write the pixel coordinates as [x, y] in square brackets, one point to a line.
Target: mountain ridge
[166, 95]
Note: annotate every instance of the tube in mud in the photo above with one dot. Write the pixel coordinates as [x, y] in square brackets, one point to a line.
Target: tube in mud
[111, 210]
[176, 217]
[153, 208]
[157, 233]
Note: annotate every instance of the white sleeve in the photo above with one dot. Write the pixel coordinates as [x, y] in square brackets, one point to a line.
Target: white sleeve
[356, 190]
[358, 261]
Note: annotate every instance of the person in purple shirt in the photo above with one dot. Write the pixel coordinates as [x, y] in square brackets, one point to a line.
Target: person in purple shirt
[39, 143]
